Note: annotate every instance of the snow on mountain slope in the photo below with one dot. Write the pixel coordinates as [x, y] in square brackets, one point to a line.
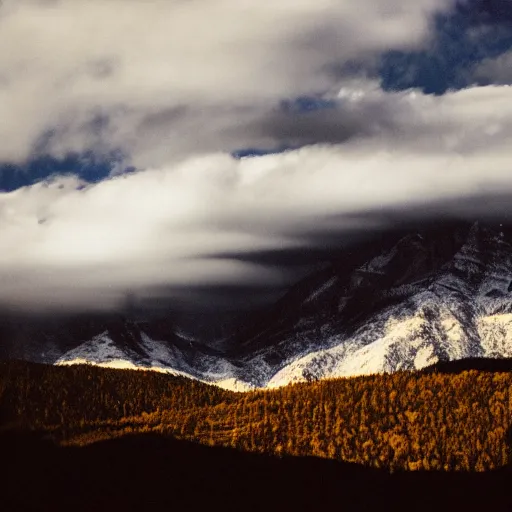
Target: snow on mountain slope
[496, 335]
[100, 349]
[390, 344]
[423, 299]
[157, 356]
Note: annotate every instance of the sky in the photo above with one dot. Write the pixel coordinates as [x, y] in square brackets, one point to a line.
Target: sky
[153, 148]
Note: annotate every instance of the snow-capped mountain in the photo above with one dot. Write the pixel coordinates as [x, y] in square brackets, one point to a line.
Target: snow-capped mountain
[405, 303]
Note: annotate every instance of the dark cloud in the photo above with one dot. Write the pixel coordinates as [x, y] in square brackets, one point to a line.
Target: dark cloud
[382, 226]
[255, 152]
[491, 207]
[299, 128]
[306, 121]
[102, 68]
[163, 118]
[283, 258]
[218, 297]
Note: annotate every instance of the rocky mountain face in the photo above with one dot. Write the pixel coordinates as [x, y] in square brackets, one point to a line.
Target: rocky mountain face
[405, 303]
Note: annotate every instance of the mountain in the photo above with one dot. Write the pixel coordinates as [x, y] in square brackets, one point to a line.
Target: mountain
[406, 302]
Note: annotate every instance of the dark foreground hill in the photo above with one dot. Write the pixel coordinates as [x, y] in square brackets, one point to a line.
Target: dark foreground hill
[151, 472]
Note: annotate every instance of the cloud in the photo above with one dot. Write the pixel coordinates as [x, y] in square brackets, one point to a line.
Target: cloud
[174, 86]
[169, 77]
[65, 245]
[496, 70]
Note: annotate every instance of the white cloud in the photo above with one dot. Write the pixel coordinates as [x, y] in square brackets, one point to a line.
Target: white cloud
[497, 70]
[64, 246]
[203, 67]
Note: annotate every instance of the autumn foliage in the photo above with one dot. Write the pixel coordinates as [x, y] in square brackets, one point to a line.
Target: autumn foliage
[403, 421]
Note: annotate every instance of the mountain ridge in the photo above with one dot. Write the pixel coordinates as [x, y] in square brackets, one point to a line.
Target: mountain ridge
[406, 303]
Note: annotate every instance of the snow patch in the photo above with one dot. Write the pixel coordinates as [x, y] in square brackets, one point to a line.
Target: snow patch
[425, 357]
[234, 384]
[496, 335]
[321, 289]
[377, 264]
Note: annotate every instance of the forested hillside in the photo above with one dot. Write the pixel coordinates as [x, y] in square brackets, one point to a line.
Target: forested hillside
[402, 421]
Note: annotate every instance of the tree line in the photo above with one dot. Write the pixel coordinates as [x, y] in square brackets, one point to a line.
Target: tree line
[400, 421]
